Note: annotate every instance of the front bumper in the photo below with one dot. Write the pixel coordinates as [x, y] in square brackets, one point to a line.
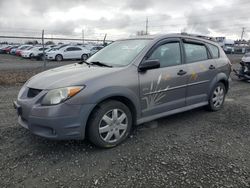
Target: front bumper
[61, 122]
[50, 57]
[25, 55]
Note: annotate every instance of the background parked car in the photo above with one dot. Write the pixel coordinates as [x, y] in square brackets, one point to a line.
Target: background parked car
[21, 48]
[33, 52]
[13, 50]
[68, 52]
[40, 56]
[246, 58]
[2, 49]
[8, 49]
[95, 49]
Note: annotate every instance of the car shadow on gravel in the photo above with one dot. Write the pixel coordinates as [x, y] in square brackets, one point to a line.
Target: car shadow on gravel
[137, 133]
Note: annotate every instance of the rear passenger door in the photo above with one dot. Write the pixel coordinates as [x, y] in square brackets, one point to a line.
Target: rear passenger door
[202, 69]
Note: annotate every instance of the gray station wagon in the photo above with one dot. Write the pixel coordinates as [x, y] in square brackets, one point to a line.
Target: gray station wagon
[127, 83]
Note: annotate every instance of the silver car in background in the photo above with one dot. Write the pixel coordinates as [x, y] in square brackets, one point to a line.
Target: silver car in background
[127, 83]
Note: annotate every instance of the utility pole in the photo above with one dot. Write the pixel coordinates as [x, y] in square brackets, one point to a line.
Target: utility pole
[104, 40]
[82, 36]
[147, 26]
[44, 58]
[242, 33]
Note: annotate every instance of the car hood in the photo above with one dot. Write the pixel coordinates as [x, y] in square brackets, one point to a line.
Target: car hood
[25, 51]
[53, 52]
[69, 75]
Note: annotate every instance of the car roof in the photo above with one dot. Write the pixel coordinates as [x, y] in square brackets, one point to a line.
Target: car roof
[72, 46]
[174, 35]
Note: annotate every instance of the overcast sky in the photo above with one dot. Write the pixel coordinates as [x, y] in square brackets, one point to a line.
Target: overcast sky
[123, 18]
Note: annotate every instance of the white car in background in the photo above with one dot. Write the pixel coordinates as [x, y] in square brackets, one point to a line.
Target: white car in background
[246, 58]
[33, 52]
[68, 52]
[95, 49]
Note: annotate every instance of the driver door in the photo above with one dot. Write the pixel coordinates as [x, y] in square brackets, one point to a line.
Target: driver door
[68, 53]
[164, 89]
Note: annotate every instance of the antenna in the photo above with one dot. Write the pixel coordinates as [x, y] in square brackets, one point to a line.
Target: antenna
[146, 26]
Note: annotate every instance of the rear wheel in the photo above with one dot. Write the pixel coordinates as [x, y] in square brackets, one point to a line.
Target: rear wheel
[109, 124]
[59, 57]
[84, 57]
[217, 97]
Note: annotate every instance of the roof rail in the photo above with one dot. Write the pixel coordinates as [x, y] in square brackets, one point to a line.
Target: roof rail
[200, 36]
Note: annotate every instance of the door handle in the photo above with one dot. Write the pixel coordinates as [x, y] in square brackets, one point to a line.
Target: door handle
[181, 72]
[211, 67]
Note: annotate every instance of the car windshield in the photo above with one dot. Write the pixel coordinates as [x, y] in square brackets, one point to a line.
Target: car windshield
[119, 53]
[247, 55]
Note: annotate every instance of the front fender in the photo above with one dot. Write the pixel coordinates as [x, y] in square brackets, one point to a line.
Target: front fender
[117, 91]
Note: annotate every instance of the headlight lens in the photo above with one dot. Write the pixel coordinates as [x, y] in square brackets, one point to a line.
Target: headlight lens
[57, 96]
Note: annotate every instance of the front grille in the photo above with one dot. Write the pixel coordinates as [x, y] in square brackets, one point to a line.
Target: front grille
[33, 92]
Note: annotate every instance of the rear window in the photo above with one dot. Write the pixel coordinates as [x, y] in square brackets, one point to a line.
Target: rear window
[195, 52]
[214, 50]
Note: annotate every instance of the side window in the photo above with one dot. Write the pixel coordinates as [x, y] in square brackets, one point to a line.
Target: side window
[70, 49]
[195, 52]
[214, 50]
[168, 54]
[77, 49]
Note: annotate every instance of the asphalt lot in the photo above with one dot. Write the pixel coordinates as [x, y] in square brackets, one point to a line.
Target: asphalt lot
[11, 62]
[191, 149]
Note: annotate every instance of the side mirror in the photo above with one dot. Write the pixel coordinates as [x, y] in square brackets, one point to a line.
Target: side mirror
[149, 64]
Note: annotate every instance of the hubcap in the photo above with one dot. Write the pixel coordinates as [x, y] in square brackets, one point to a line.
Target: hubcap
[218, 97]
[113, 125]
[84, 57]
[59, 58]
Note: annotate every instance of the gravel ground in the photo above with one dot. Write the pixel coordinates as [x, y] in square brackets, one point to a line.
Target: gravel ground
[191, 149]
[16, 70]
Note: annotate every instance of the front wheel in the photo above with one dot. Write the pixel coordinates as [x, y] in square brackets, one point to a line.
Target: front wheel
[217, 97]
[84, 57]
[59, 57]
[109, 124]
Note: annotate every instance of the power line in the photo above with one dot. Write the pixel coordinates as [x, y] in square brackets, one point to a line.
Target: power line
[49, 38]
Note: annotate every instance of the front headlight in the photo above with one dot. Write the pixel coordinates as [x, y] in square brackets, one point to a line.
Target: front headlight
[57, 96]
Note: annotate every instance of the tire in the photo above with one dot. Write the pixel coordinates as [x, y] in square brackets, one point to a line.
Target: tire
[31, 55]
[217, 97]
[104, 129]
[59, 57]
[84, 57]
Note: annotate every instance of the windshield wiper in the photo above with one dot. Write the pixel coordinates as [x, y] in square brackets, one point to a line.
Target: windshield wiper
[100, 64]
[83, 61]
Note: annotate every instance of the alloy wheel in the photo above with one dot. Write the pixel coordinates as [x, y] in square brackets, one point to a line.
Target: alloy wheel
[218, 96]
[113, 125]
